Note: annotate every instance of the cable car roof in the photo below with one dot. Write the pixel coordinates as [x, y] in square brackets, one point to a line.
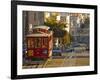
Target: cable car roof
[38, 35]
[42, 27]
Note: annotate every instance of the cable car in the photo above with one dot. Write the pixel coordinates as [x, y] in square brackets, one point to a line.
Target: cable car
[40, 42]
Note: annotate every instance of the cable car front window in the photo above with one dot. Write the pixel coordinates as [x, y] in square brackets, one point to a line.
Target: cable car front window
[37, 42]
[45, 42]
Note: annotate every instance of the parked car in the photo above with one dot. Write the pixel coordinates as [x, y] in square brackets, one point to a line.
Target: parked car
[56, 52]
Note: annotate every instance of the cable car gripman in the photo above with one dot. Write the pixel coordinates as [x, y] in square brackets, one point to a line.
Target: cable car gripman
[40, 42]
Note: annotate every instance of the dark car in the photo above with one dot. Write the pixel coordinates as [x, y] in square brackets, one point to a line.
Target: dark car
[56, 52]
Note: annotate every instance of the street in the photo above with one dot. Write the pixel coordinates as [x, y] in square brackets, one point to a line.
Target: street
[66, 60]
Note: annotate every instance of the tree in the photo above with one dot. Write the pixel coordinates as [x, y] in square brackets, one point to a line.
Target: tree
[66, 40]
[53, 23]
[58, 29]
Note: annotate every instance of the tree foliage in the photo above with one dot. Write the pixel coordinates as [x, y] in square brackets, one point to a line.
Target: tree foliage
[67, 38]
[60, 25]
[53, 23]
